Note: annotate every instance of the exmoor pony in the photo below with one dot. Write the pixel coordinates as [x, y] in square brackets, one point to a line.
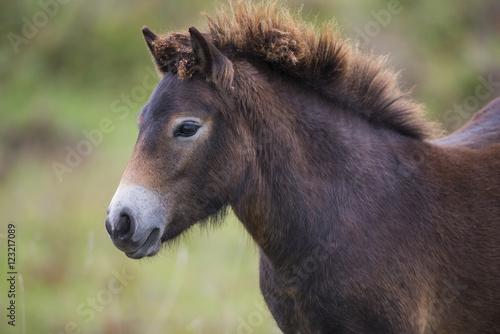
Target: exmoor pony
[365, 223]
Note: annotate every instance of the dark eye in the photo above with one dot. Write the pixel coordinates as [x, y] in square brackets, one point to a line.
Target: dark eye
[186, 129]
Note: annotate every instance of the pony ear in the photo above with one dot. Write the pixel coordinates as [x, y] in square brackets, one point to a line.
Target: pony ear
[212, 64]
[150, 38]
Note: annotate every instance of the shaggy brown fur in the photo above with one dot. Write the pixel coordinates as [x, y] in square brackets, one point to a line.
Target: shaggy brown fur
[324, 61]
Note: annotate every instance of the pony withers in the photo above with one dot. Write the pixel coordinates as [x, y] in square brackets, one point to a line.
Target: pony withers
[364, 224]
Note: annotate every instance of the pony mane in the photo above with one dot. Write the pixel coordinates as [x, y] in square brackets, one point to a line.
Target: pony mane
[320, 59]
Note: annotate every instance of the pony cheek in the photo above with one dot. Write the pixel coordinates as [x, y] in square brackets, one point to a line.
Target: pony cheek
[137, 218]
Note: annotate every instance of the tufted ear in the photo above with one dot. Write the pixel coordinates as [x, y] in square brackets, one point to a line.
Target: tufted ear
[150, 38]
[212, 64]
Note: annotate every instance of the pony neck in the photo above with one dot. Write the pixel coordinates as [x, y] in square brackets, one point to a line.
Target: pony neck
[313, 163]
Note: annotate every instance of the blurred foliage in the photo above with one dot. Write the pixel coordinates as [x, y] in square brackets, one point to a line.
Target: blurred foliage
[86, 56]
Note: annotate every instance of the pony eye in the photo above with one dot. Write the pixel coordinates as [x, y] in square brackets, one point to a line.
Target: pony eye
[186, 129]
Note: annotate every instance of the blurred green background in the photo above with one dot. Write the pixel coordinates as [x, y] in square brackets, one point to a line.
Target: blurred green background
[65, 65]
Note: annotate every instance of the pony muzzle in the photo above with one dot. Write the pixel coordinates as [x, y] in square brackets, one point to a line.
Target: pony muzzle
[136, 220]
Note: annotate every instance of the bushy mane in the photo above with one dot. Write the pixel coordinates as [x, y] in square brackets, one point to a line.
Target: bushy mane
[321, 59]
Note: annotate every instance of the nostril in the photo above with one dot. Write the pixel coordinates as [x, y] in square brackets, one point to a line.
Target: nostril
[124, 227]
